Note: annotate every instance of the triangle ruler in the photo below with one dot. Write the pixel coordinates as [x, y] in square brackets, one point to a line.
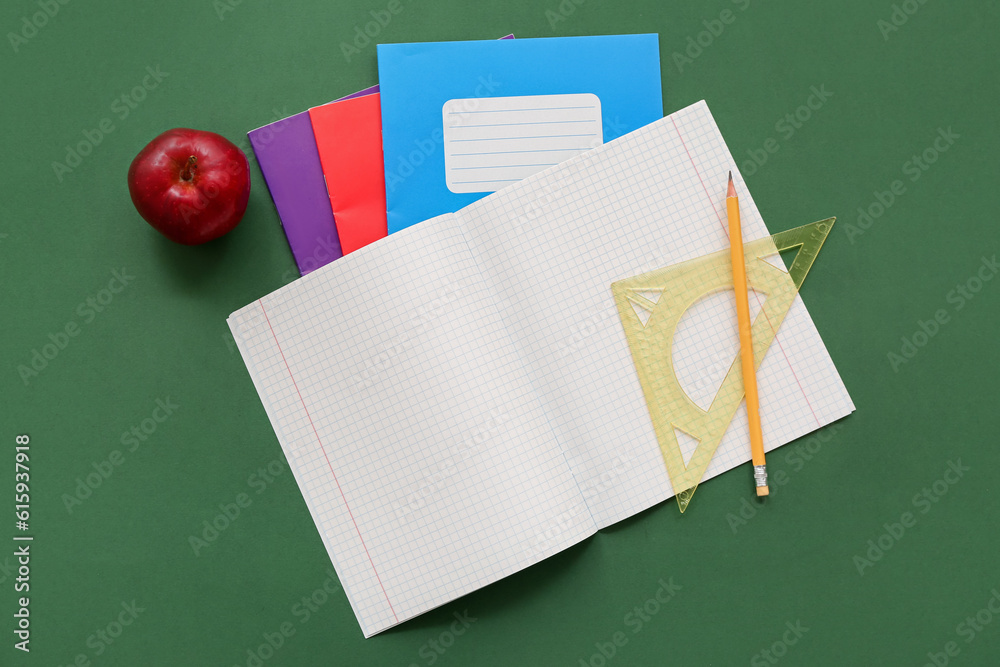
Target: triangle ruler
[651, 306]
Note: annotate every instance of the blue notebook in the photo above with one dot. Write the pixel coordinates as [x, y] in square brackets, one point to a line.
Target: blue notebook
[463, 119]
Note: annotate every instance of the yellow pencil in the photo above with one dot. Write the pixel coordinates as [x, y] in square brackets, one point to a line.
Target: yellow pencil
[746, 342]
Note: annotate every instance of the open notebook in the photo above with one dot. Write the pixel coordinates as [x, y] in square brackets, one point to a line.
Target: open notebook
[458, 401]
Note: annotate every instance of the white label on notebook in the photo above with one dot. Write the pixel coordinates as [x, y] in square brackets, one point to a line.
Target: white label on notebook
[491, 142]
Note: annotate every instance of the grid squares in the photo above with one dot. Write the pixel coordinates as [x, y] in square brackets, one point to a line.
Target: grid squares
[470, 383]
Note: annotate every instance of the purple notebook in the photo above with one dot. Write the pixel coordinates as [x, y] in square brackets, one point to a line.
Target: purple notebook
[287, 155]
[362, 93]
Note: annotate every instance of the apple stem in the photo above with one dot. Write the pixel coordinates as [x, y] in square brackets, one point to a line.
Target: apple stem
[188, 173]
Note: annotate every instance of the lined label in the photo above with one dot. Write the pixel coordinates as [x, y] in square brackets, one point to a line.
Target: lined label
[492, 142]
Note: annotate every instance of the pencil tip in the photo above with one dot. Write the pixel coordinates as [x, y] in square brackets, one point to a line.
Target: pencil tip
[731, 191]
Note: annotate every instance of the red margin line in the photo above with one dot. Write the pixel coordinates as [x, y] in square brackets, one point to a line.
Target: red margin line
[316, 433]
[726, 231]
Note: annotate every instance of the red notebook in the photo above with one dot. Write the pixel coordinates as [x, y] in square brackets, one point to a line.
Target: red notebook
[349, 138]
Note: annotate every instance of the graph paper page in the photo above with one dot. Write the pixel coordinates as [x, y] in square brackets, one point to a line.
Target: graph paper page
[408, 418]
[553, 244]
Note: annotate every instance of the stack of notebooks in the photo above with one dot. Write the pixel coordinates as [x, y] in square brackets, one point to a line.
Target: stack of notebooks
[449, 123]
[458, 400]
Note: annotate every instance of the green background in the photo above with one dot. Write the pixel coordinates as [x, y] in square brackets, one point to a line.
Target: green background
[164, 337]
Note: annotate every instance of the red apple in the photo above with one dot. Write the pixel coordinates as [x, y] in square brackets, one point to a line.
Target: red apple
[191, 186]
